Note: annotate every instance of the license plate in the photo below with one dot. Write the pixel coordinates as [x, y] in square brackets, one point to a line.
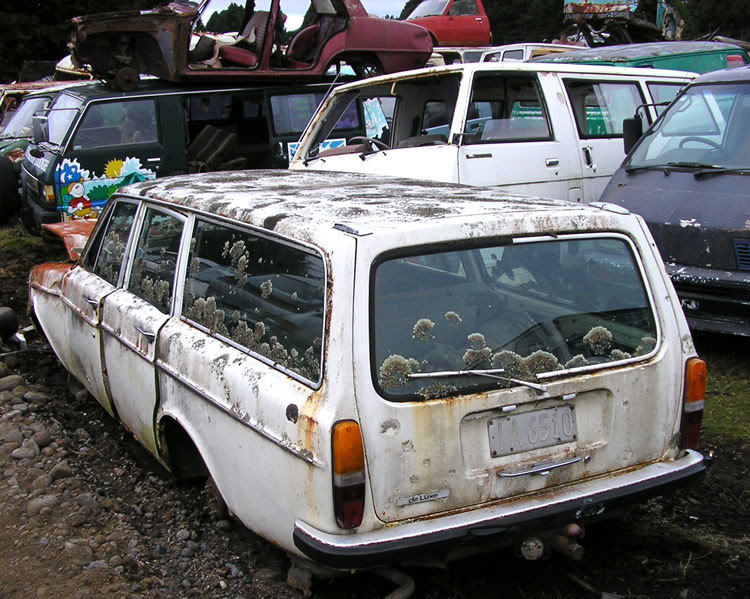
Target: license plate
[532, 430]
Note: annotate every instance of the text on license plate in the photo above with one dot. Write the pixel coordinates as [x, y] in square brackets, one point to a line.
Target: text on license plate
[532, 430]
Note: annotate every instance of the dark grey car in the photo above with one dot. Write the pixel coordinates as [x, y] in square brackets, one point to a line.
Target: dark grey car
[688, 177]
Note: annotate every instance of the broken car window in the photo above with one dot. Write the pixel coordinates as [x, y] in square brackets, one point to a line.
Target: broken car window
[531, 309]
[106, 254]
[261, 294]
[152, 274]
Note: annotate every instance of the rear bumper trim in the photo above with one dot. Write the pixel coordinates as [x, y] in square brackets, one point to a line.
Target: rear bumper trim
[582, 501]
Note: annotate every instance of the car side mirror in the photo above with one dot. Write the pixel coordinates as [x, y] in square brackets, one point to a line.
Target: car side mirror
[39, 129]
[632, 130]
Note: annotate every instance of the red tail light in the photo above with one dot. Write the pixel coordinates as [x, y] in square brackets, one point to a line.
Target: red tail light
[735, 60]
[348, 474]
[692, 405]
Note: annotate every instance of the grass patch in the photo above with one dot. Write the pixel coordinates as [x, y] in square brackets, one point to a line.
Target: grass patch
[727, 411]
[14, 241]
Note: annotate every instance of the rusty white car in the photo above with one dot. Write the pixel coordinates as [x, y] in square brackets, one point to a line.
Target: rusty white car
[369, 369]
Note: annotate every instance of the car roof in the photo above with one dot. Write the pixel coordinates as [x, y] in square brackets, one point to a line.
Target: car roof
[630, 52]
[307, 206]
[736, 74]
[152, 86]
[531, 67]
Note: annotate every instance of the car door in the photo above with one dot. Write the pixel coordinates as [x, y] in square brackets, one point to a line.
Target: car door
[84, 289]
[134, 314]
[598, 106]
[115, 143]
[515, 139]
[465, 25]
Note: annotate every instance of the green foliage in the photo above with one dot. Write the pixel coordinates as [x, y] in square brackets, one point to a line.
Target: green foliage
[228, 19]
[41, 30]
[408, 7]
[730, 18]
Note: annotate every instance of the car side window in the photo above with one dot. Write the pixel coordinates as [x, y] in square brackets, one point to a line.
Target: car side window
[506, 108]
[114, 123]
[155, 262]
[261, 294]
[663, 92]
[463, 7]
[600, 106]
[105, 257]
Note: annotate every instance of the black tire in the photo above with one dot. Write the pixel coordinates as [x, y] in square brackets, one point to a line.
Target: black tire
[127, 79]
[8, 323]
[8, 189]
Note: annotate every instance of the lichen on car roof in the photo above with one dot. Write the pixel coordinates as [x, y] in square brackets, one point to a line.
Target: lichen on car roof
[301, 203]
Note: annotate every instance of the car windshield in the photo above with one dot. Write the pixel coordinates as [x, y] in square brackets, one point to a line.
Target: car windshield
[705, 128]
[521, 311]
[63, 110]
[429, 8]
[20, 123]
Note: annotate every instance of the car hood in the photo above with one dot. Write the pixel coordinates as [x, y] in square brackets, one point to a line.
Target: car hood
[693, 221]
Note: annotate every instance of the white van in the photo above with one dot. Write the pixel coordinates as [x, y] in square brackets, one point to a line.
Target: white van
[541, 129]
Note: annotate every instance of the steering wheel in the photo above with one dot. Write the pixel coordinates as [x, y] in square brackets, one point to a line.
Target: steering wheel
[701, 140]
[375, 142]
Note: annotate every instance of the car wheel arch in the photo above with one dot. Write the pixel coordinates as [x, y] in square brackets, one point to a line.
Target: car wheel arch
[179, 451]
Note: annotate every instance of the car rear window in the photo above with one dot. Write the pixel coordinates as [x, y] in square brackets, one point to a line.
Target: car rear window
[261, 294]
[534, 310]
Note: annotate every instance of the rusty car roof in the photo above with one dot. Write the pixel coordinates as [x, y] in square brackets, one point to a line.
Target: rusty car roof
[629, 52]
[306, 205]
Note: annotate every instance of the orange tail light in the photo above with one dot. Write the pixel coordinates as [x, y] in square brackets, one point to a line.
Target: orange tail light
[693, 402]
[348, 474]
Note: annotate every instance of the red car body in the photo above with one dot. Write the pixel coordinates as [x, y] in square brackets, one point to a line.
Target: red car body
[453, 22]
[119, 46]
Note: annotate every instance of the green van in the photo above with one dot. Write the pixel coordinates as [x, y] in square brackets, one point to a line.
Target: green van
[698, 57]
[92, 139]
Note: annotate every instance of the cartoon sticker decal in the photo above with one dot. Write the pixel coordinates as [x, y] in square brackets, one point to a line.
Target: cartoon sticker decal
[82, 195]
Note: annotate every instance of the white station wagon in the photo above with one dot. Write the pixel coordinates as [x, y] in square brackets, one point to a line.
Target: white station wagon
[365, 367]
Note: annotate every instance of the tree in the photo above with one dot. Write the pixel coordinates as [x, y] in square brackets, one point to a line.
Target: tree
[40, 29]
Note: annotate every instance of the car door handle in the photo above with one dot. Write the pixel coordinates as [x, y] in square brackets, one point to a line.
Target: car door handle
[147, 334]
[587, 156]
[552, 161]
[478, 19]
[90, 301]
[541, 470]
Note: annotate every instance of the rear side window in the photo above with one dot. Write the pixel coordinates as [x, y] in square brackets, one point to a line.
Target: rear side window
[527, 311]
[600, 107]
[261, 294]
[105, 256]
[506, 108]
[155, 262]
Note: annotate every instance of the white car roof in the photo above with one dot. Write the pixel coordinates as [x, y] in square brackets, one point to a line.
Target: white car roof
[527, 67]
[307, 205]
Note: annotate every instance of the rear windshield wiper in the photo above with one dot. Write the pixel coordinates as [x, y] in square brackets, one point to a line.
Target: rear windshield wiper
[722, 170]
[491, 373]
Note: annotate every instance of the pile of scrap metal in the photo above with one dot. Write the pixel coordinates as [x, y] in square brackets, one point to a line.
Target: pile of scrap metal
[604, 22]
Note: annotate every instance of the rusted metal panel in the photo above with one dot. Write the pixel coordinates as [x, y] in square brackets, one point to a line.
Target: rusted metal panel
[600, 7]
[74, 235]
